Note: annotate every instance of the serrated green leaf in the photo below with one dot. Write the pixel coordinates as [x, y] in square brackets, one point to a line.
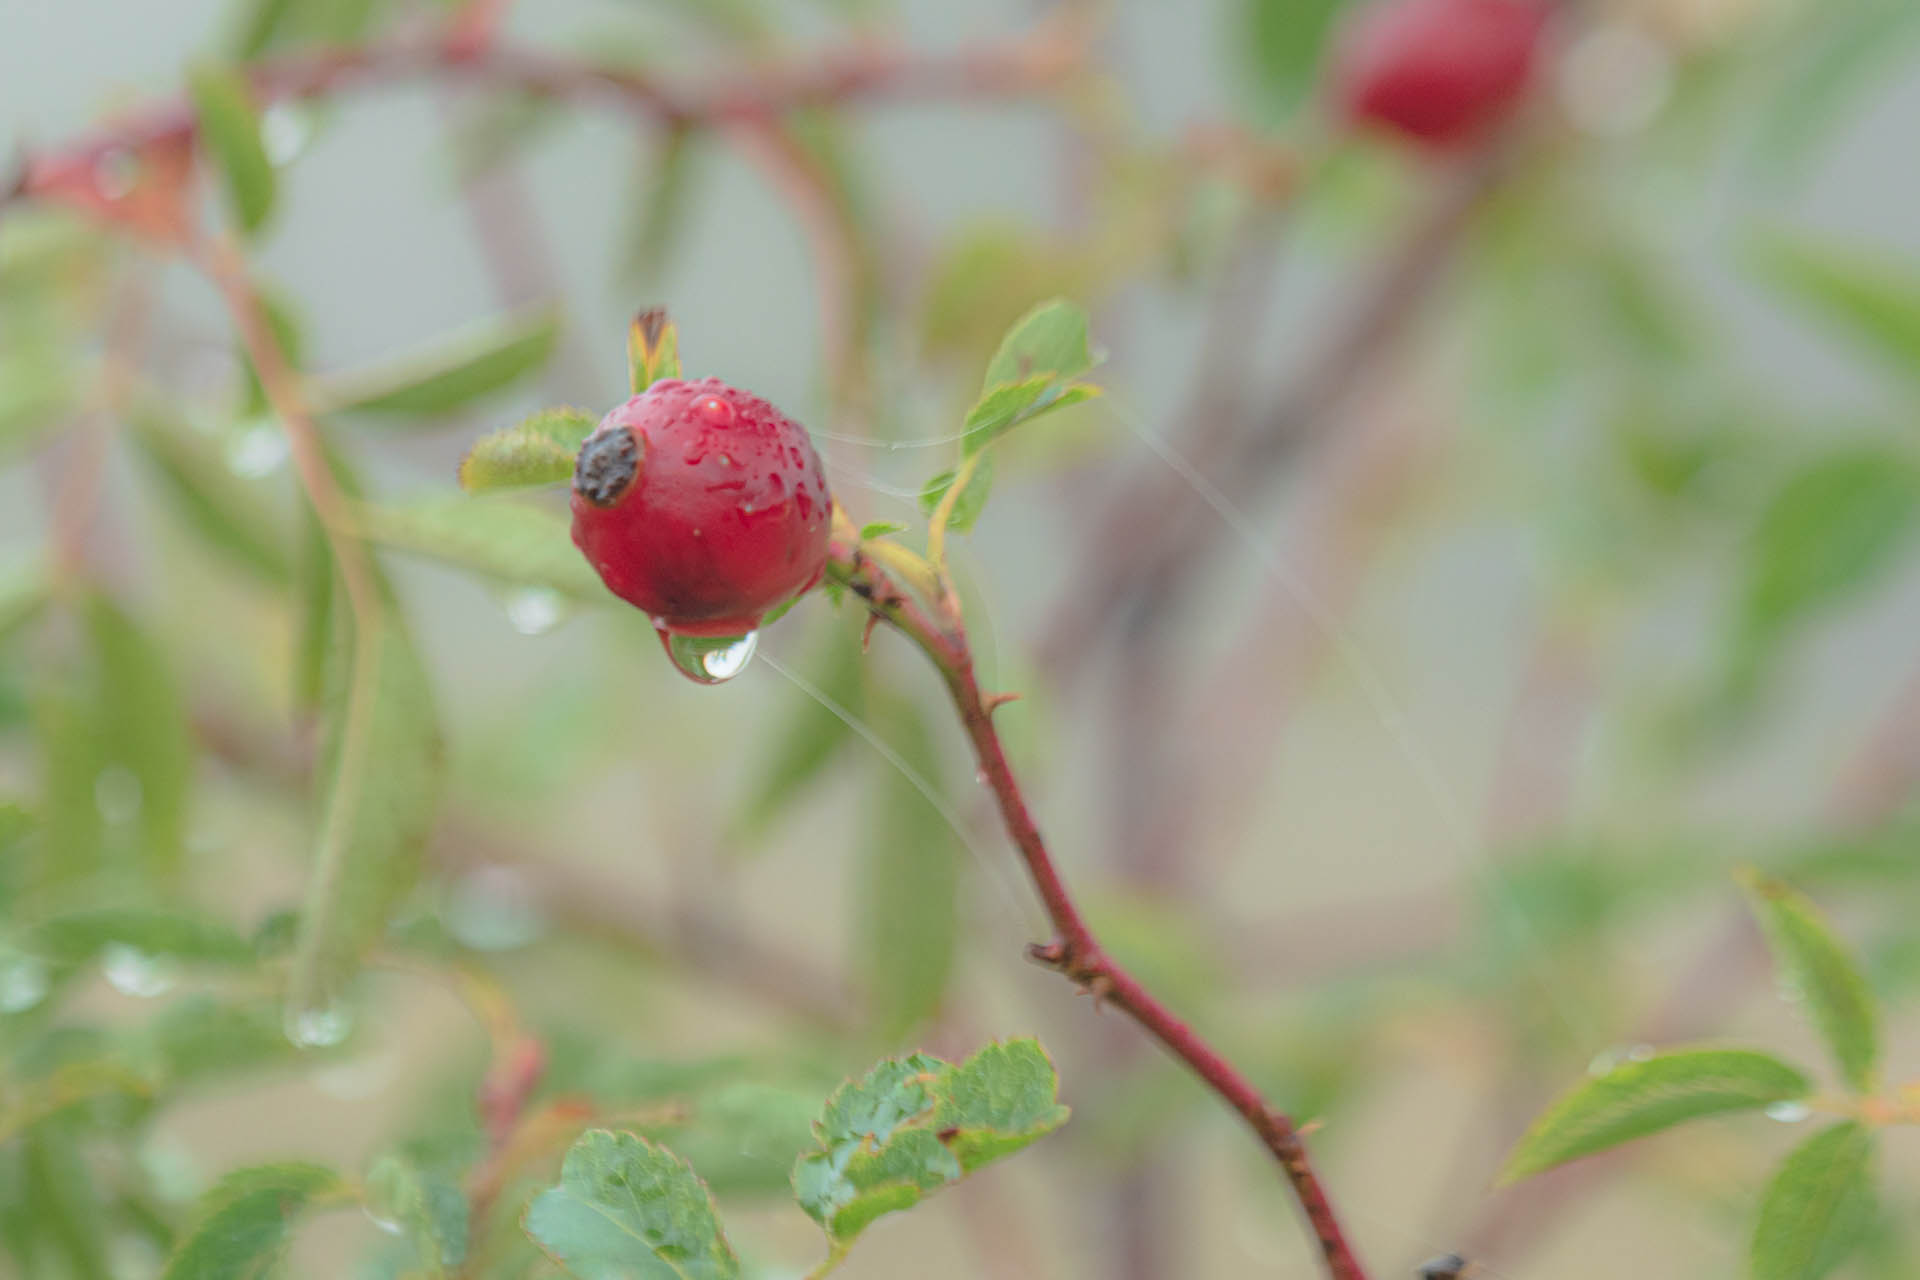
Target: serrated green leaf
[246, 1222]
[221, 507]
[1033, 373]
[916, 1124]
[378, 787]
[972, 500]
[540, 450]
[78, 936]
[909, 889]
[1639, 1098]
[1871, 297]
[1050, 339]
[1815, 1207]
[626, 1209]
[230, 132]
[1832, 528]
[1018, 403]
[509, 541]
[477, 362]
[808, 739]
[1814, 963]
[428, 1207]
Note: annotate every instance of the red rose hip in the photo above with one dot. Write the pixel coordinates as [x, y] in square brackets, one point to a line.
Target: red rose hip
[701, 505]
[1441, 72]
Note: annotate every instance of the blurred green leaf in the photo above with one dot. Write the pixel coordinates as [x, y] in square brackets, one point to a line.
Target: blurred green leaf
[744, 1135]
[808, 739]
[23, 594]
[509, 541]
[1814, 963]
[1833, 527]
[659, 204]
[916, 1124]
[201, 1037]
[378, 796]
[540, 450]
[219, 505]
[477, 362]
[246, 1222]
[63, 1200]
[430, 1209]
[260, 25]
[230, 132]
[880, 529]
[1815, 1206]
[1838, 54]
[1870, 296]
[141, 720]
[972, 500]
[627, 1208]
[1635, 1099]
[1281, 45]
[313, 613]
[909, 886]
[78, 936]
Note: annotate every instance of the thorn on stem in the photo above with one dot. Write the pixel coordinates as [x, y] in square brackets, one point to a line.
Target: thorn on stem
[1051, 954]
[998, 700]
[866, 632]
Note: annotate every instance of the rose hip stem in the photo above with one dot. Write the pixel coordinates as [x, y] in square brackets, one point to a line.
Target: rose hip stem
[1075, 952]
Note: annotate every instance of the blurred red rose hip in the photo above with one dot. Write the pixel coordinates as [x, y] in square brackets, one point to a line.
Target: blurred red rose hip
[701, 505]
[1441, 72]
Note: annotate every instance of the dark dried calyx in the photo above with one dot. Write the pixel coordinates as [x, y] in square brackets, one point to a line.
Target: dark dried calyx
[608, 463]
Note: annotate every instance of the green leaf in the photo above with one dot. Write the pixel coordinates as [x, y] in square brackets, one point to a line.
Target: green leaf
[429, 1207]
[78, 936]
[880, 529]
[314, 620]
[1815, 1207]
[540, 450]
[916, 1124]
[483, 359]
[201, 1037]
[145, 734]
[1280, 43]
[1033, 373]
[653, 349]
[1841, 54]
[503, 539]
[1017, 403]
[1638, 1098]
[247, 1221]
[626, 1209]
[972, 500]
[230, 131]
[24, 592]
[1050, 339]
[220, 506]
[378, 785]
[1832, 528]
[1872, 297]
[910, 908]
[1812, 961]
[659, 203]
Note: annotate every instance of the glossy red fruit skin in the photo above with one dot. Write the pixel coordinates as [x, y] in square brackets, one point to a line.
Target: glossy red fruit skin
[1440, 72]
[726, 518]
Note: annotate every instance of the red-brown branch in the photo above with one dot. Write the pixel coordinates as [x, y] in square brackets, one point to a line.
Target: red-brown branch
[1075, 951]
[867, 72]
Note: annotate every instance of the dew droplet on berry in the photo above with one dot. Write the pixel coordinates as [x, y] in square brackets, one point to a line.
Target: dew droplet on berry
[709, 659]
